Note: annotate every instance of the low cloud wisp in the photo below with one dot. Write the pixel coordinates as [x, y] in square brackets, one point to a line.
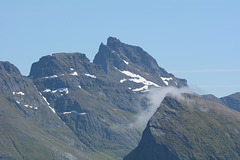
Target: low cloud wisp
[155, 97]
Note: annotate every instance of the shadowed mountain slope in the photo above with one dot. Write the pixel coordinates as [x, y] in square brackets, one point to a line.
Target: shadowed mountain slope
[190, 128]
[29, 129]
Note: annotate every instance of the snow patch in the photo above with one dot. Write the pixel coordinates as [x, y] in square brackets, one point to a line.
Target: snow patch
[54, 91]
[67, 112]
[123, 80]
[44, 98]
[74, 74]
[57, 90]
[79, 87]
[74, 112]
[47, 90]
[18, 102]
[18, 93]
[139, 79]
[63, 90]
[29, 106]
[52, 109]
[126, 62]
[165, 80]
[143, 89]
[71, 69]
[89, 75]
[53, 76]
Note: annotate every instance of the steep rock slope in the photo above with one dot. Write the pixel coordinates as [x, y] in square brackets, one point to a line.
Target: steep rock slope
[134, 59]
[29, 129]
[190, 128]
[99, 100]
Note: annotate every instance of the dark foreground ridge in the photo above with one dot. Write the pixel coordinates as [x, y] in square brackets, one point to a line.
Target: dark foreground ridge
[194, 128]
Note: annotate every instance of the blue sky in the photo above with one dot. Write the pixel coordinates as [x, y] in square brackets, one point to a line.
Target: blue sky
[198, 40]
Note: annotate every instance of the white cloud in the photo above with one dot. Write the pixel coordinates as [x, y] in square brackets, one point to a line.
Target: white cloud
[155, 97]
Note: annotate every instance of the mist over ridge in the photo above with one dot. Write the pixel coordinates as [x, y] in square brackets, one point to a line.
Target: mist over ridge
[155, 97]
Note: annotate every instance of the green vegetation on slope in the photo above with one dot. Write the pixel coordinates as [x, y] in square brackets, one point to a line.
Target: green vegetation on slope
[194, 128]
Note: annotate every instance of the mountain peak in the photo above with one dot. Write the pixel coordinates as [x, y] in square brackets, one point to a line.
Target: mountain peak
[7, 67]
[116, 51]
[113, 41]
[57, 63]
[121, 56]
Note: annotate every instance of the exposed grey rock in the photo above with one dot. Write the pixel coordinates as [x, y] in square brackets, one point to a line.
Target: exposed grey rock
[29, 128]
[95, 103]
[104, 96]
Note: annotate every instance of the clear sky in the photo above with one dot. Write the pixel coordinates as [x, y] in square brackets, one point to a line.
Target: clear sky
[198, 40]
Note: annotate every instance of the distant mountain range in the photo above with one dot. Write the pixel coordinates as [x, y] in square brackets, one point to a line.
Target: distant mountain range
[70, 108]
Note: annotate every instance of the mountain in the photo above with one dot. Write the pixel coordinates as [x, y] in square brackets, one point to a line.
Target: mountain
[98, 101]
[213, 98]
[190, 128]
[232, 101]
[124, 57]
[29, 127]
[71, 108]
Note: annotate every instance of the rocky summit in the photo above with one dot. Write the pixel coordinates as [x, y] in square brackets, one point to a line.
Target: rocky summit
[71, 108]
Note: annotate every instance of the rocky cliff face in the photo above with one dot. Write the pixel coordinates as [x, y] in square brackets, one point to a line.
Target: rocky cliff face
[98, 101]
[121, 56]
[29, 127]
[190, 128]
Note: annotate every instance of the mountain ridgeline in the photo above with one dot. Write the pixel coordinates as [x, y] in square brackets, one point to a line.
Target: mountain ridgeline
[98, 100]
[71, 108]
